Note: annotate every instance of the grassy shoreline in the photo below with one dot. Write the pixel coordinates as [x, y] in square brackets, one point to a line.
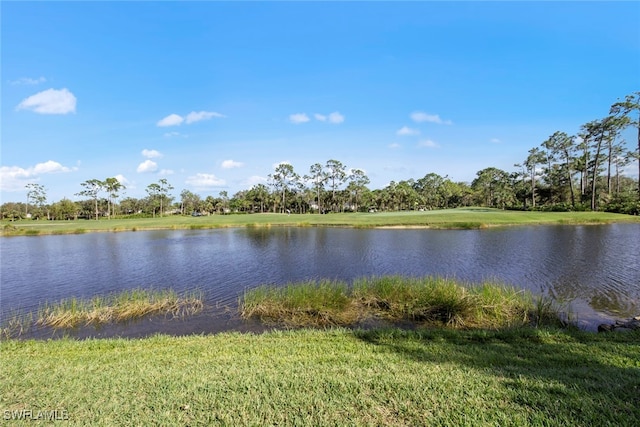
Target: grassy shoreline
[422, 301]
[516, 377]
[463, 218]
[120, 307]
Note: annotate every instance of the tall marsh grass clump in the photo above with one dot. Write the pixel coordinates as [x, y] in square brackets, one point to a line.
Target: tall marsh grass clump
[429, 300]
[321, 303]
[118, 307]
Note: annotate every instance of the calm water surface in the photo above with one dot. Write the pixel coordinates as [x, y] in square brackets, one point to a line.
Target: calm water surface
[595, 269]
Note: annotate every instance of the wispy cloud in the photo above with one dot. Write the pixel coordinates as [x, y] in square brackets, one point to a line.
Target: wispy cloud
[192, 117]
[14, 178]
[428, 143]
[298, 118]
[394, 145]
[495, 141]
[230, 164]
[170, 120]
[254, 180]
[406, 131]
[28, 81]
[151, 154]
[147, 166]
[419, 116]
[335, 118]
[166, 172]
[205, 181]
[50, 101]
[175, 134]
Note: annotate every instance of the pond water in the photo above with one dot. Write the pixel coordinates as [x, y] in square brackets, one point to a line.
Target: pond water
[593, 269]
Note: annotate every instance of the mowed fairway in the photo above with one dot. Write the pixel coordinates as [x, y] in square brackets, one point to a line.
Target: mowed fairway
[524, 377]
[468, 218]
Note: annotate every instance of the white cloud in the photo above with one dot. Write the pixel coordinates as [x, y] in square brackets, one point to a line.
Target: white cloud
[495, 141]
[170, 120]
[49, 167]
[428, 143]
[336, 118]
[193, 116]
[298, 118]
[230, 164]
[28, 81]
[151, 154]
[122, 180]
[419, 116]
[394, 145]
[204, 181]
[320, 117]
[147, 166]
[14, 178]
[166, 172]
[50, 101]
[254, 180]
[404, 131]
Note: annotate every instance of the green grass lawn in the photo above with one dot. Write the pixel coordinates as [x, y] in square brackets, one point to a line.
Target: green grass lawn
[521, 377]
[450, 218]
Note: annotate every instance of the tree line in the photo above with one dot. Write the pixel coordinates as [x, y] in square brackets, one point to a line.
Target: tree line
[565, 172]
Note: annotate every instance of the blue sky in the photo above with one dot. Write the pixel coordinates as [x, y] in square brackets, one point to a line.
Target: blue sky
[213, 95]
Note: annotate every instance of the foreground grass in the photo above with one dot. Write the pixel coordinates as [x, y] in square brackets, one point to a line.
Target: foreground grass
[117, 307]
[433, 300]
[521, 377]
[465, 218]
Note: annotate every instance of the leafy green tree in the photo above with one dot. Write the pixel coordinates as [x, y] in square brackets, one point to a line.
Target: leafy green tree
[336, 174]
[131, 205]
[159, 194]
[629, 106]
[562, 145]
[535, 157]
[223, 202]
[37, 195]
[189, 202]
[92, 189]
[12, 210]
[601, 131]
[284, 179]
[318, 176]
[358, 182]
[259, 194]
[493, 187]
[64, 209]
[112, 186]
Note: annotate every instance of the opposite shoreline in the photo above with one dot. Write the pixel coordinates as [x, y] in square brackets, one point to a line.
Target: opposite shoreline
[450, 219]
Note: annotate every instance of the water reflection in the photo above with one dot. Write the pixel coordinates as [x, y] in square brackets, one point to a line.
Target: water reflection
[595, 268]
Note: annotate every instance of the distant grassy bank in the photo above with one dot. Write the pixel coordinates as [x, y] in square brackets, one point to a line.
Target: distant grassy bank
[516, 377]
[463, 218]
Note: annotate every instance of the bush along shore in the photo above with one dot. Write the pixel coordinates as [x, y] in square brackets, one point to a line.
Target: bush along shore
[431, 300]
